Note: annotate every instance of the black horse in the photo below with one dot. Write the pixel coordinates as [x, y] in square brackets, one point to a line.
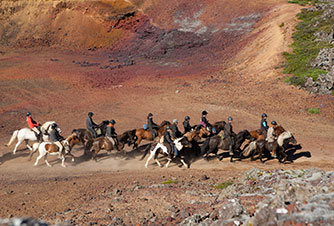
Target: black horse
[86, 137]
[212, 144]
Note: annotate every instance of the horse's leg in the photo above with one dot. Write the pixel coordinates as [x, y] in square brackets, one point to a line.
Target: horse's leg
[35, 148]
[151, 156]
[137, 142]
[17, 144]
[70, 154]
[46, 161]
[38, 158]
[183, 162]
[63, 160]
[169, 160]
[28, 146]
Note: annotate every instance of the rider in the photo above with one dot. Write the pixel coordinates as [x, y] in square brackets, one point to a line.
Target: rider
[271, 135]
[91, 125]
[264, 124]
[175, 130]
[34, 126]
[186, 124]
[111, 133]
[56, 137]
[204, 121]
[169, 142]
[151, 125]
[229, 134]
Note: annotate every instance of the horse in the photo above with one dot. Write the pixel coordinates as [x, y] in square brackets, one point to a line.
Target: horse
[46, 148]
[128, 137]
[219, 126]
[278, 130]
[27, 134]
[214, 143]
[86, 137]
[147, 134]
[104, 142]
[216, 128]
[277, 147]
[179, 144]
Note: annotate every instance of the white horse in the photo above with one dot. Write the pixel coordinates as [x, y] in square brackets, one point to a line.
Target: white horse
[179, 144]
[45, 148]
[27, 134]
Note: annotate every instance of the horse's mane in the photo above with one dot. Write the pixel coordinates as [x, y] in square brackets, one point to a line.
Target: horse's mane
[165, 122]
[279, 130]
[219, 122]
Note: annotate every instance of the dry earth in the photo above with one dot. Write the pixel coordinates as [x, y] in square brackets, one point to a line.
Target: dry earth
[49, 82]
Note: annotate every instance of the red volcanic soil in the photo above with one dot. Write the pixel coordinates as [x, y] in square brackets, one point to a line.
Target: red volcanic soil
[177, 60]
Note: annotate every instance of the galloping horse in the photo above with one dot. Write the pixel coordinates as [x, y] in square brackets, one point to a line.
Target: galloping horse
[45, 148]
[27, 134]
[147, 134]
[86, 137]
[179, 144]
[103, 142]
[277, 147]
[213, 144]
[278, 130]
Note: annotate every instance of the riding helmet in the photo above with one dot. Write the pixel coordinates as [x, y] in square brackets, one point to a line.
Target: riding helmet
[187, 117]
[90, 114]
[28, 114]
[274, 123]
[168, 128]
[175, 121]
[230, 118]
[54, 125]
[204, 112]
[150, 115]
[112, 121]
[264, 115]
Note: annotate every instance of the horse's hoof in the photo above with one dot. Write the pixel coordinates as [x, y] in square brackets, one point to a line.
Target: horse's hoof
[64, 166]
[72, 160]
[220, 158]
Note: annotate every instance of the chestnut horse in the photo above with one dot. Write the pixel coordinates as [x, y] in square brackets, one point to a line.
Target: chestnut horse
[147, 134]
[103, 142]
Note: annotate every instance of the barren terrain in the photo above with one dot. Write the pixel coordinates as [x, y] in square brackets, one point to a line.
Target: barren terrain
[241, 78]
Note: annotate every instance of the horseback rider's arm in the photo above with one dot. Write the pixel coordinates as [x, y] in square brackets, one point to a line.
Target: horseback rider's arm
[167, 137]
[90, 123]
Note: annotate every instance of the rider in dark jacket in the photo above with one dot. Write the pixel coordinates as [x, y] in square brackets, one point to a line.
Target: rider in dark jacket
[229, 134]
[205, 122]
[111, 133]
[169, 142]
[186, 125]
[175, 130]
[151, 125]
[264, 125]
[56, 138]
[91, 125]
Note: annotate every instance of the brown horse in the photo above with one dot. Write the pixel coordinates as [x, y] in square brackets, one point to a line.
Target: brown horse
[103, 142]
[147, 134]
[278, 129]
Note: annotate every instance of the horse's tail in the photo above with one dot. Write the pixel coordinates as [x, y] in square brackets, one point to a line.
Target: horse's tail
[205, 147]
[13, 137]
[146, 151]
[248, 150]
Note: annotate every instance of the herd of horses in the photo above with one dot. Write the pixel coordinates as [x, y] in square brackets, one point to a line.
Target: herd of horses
[199, 142]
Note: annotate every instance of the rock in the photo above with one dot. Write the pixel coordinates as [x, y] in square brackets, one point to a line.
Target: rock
[204, 177]
[22, 221]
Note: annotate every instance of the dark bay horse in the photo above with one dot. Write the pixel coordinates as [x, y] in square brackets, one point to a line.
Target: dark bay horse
[86, 137]
[214, 143]
[147, 134]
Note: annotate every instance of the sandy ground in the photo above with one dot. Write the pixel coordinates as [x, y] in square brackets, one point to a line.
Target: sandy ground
[60, 90]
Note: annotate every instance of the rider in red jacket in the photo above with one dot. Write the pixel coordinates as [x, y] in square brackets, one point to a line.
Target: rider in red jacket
[34, 126]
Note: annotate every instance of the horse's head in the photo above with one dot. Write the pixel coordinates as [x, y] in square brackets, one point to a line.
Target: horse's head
[165, 123]
[286, 137]
[71, 140]
[182, 142]
[246, 135]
